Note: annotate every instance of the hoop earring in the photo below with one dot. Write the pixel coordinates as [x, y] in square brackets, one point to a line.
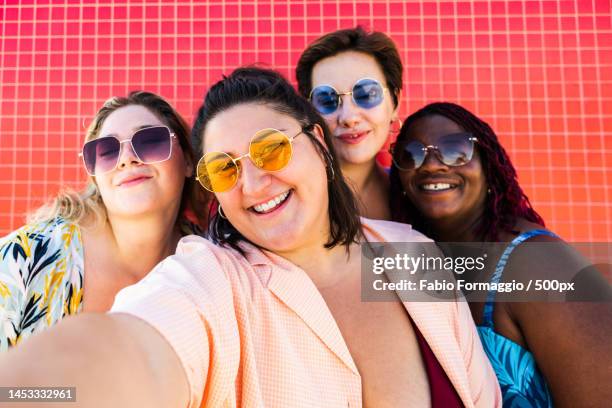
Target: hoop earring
[329, 166]
[220, 212]
[333, 174]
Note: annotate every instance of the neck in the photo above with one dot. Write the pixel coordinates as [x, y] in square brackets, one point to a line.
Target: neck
[457, 230]
[360, 175]
[324, 266]
[371, 186]
[141, 243]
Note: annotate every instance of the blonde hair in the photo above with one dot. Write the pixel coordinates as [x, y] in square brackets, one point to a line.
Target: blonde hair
[87, 205]
[73, 206]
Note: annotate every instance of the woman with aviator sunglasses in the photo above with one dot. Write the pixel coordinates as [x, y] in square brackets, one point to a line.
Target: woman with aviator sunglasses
[270, 314]
[354, 79]
[77, 252]
[452, 180]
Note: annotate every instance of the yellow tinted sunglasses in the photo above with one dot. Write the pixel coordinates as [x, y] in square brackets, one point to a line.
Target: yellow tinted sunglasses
[269, 149]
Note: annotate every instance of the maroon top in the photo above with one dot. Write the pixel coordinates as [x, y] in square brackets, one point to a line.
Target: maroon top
[443, 394]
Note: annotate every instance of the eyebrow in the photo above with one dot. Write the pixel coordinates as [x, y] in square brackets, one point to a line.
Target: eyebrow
[234, 154]
[134, 130]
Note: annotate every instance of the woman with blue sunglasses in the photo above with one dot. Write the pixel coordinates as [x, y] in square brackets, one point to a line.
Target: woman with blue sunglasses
[453, 180]
[354, 79]
[77, 252]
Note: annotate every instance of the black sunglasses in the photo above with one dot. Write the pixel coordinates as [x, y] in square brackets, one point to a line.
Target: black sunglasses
[150, 145]
[452, 150]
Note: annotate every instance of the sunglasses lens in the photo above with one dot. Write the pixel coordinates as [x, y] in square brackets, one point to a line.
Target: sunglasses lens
[153, 144]
[456, 149]
[325, 99]
[408, 156]
[367, 93]
[101, 155]
[217, 172]
[270, 149]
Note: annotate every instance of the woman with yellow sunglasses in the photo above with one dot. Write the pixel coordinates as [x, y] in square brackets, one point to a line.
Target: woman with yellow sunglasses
[270, 314]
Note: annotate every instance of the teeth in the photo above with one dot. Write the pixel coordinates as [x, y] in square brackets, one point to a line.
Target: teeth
[436, 186]
[273, 203]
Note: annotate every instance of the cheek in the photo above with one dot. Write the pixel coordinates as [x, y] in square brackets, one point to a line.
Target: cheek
[230, 202]
[104, 186]
[473, 172]
[380, 119]
[405, 179]
[172, 171]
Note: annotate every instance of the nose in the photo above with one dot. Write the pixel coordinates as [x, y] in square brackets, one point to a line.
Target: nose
[253, 179]
[348, 113]
[127, 155]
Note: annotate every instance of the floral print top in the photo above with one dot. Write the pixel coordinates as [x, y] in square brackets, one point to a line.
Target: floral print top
[41, 278]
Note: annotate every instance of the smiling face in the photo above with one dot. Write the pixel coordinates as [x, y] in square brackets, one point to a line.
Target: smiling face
[133, 188]
[441, 192]
[283, 210]
[359, 133]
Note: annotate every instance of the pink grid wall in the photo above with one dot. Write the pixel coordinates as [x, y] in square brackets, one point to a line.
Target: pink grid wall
[540, 72]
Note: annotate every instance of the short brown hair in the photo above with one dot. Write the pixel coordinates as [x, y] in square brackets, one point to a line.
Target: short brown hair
[374, 43]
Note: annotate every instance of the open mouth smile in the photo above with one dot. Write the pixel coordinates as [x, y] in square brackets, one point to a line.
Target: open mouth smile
[437, 186]
[272, 204]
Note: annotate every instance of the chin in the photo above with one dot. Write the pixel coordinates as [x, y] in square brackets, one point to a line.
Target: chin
[134, 209]
[279, 240]
[358, 157]
[437, 214]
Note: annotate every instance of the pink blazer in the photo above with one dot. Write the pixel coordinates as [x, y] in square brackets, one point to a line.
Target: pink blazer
[254, 331]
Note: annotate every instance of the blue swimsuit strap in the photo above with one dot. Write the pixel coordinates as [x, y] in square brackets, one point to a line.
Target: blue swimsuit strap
[487, 318]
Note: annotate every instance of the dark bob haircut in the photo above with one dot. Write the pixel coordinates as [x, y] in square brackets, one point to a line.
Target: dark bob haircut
[375, 44]
[265, 86]
[505, 203]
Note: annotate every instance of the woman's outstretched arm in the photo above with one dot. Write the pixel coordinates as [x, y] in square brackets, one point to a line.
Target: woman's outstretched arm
[113, 360]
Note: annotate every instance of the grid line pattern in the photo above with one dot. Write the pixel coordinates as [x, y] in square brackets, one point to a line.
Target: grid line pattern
[540, 72]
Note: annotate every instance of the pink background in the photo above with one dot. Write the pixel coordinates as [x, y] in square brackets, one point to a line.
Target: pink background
[540, 72]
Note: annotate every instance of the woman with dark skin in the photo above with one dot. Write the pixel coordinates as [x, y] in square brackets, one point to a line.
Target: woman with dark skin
[476, 198]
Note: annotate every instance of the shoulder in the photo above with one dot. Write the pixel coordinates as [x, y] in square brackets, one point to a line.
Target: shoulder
[196, 249]
[41, 268]
[38, 239]
[542, 249]
[200, 269]
[381, 230]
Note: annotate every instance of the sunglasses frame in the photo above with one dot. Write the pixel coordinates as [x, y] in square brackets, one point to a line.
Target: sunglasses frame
[351, 92]
[436, 150]
[122, 142]
[237, 159]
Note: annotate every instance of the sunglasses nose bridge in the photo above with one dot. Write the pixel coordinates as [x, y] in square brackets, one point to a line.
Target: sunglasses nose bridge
[251, 177]
[432, 157]
[127, 153]
[348, 112]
